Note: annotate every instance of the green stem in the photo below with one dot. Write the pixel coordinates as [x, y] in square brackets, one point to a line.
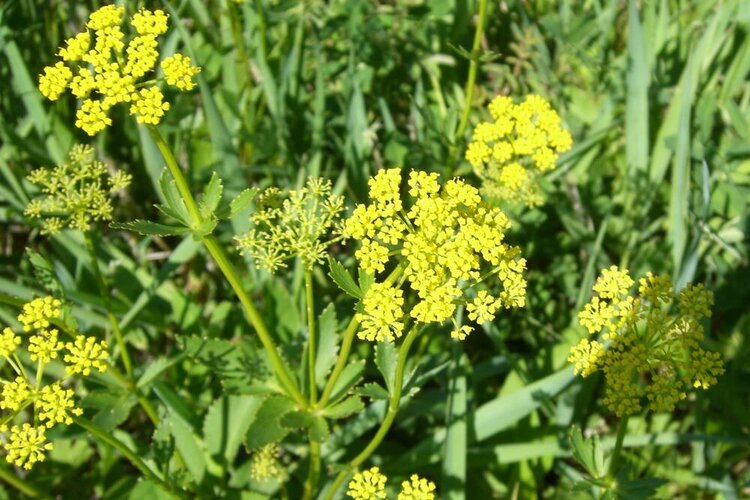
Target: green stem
[469, 89]
[104, 290]
[107, 438]
[314, 471]
[347, 341]
[622, 429]
[393, 405]
[19, 484]
[230, 273]
[310, 336]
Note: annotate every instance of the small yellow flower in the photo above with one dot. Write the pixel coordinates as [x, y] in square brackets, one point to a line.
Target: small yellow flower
[105, 17]
[461, 332]
[8, 342]
[26, 446]
[179, 71]
[367, 485]
[92, 117]
[86, 354]
[44, 346]
[382, 316]
[149, 106]
[148, 22]
[417, 488]
[54, 81]
[15, 394]
[76, 47]
[264, 464]
[37, 313]
[55, 405]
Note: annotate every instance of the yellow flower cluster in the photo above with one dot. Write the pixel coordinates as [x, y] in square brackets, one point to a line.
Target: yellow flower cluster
[448, 241]
[649, 347]
[103, 71]
[521, 142]
[50, 404]
[292, 226]
[370, 485]
[264, 464]
[75, 193]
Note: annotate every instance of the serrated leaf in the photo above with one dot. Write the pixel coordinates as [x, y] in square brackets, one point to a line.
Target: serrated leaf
[155, 369]
[350, 375]
[348, 406]
[113, 407]
[343, 279]
[44, 273]
[149, 228]
[172, 196]
[212, 193]
[267, 428]
[238, 204]
[207, 225]
[639, 489]
[319, 430]
[190, 447]
[169, 213]
[327, 344]
[365, 279]
[296, 419]
[586, 452]
[227, 422]
[373, 391]
[385, 359]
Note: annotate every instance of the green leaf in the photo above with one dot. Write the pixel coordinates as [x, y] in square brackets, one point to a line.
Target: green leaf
[297, 419]
[44, 273]
[113, 407]
[587, 452]
[454, 458]
[227, 422]
[372, 390]
[365, 279]
[267, 428]
[238, 204]
[385, 359]
[639, 489]
[343, 279]
[172, 196]
[148, 228]
[156, 368]
[189, 445]
[328, 348]
[319, 430]
[149, 489]
[350, 375]
[348, 406]
[212, 193]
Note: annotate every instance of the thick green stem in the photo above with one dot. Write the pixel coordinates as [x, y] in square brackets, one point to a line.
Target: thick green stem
[393, 404]
[313, 473]
[311, 346]
[622, 429]
[107, 438]
[230, 273]
[104, 290]
[27, 489]
[469, 89]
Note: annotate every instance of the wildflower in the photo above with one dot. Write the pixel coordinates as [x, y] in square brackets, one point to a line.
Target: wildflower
[417, 488]
[105, 69]
[77, 192]
[367, 485]
[26, 446]
[55, 405]
[44, 346]
[37, 313]
[15, 394]
[449, 242]
[264, 464]
[651, 354]
[290, 226]
[8, 342]
[84, 354]
[512, 151]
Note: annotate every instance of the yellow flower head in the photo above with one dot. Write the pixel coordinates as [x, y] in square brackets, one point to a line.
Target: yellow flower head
[15, 394]
[77, 192]
[84, 354]
[8, 342]
[447, 241]
[512, 151]
[26, 446]
[367, 485]
[295, 225]
[55, 405]
[264, 464]
[650, 351]
[417, 488]
[36, 314]
[104, 68]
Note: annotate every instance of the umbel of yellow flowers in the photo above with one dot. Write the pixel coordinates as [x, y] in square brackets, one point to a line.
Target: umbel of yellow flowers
[521, 142]
[370, 485]
[31, 405]
[101, 70]
[649, 347]
[451, 246]
[75, 193]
